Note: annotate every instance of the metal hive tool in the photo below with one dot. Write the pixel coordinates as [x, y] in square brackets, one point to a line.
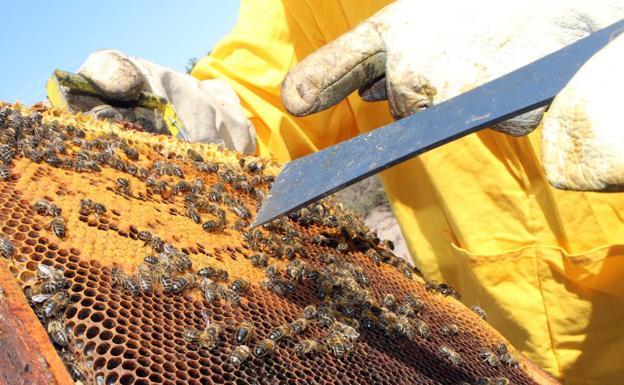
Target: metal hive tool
[367, 330]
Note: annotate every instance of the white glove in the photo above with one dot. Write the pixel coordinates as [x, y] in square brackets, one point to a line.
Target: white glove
[417, 54]
[210, 109]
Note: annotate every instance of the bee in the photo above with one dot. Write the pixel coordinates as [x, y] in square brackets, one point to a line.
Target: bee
[123, 281]
[181, 187]
[75, 369]
[368, 319]
[53, 276]
[296, 269]
[151, 260]
[478, 311]
[182, 261]
[6, 153]
[240, 355]
[299, 325]
[211, 272]
[239, 285]
[197, 187]
[57, 224]
[240, 225]
[222, 275]
[431, 285]
[280, 332]
[144, 277]
[151, 240]
[165, 280]
[243, 333]
[194, 155]
[211, 225]
[450, 354]
[489, 357]
[259, 260]
[209, 288]
[388, 300]
[123, 185]
[264, 347]
[307, 347]
[422, 329]
[309, 312]
[45, 207]
[446, 290]
[5, 173]
[231, 296]
[325, 316]
[53, 304]
[241, 211]
[207, 338]
[338, 345]
[414, 302]
[130, 152]
[450, 329]
[501, 381]
[163, 168]
[183, 282]
[278, 286]
[88, 206]
[56, 330]
[7, 250]
[508, 360]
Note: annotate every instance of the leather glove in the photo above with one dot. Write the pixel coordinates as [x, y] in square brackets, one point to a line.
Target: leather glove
[209, 109]
[415, 55]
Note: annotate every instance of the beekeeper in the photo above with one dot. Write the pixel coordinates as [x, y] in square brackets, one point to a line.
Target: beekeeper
[481, 213]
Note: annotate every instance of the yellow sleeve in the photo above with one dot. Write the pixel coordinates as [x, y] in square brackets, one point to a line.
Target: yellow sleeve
[270, 37]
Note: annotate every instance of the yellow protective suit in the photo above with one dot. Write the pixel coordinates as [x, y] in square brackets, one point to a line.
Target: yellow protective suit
[546, 265]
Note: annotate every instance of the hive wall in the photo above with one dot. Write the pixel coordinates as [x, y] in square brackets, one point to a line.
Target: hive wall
[118, 337]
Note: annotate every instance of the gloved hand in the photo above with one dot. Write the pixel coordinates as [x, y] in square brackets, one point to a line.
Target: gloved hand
[210, 109]
[415, 55]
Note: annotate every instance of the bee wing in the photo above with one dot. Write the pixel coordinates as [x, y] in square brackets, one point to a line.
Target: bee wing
[38, 298]
[46, 271]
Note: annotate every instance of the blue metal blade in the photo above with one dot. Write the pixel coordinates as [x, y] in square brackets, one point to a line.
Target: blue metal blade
[317, 175]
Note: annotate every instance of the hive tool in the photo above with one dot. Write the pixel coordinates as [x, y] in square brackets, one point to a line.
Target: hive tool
[315, 176]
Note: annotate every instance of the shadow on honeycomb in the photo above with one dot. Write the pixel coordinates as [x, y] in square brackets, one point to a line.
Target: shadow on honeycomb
[135, 253]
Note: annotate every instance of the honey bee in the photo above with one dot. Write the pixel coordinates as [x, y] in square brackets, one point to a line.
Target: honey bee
[501, 381]
[241, 211]
[212, 225]
[239, 285]
[183, 282]
[182, 261]
[52, 276]
[271, 271]
[53, 304]
[307, 347]
[57, 224]
[264, 347]
[240, 225]
[422, 329]
[144, 277]
[56, 330]
[508, 360]
[230, 296]
[194, 155]
[338, 345]
[450, 354]
[45, 207]
[478, 311]
[209, 288]
[240, 355]
[280, 332]
[431, 285]
[388, 300]
[414, 302]
[450, 329]
[6, 153]
[489, 357]
[5, 173]
[88, 206]
[123, 281]
[6, 248]
[296, 269]
[278, 286]
[309, 312]
[197, 187]
[165, 280]
[243, 333]
[151, 260]
[260, 260]
[163, 168]
[325, 316]
[123, 185]
[75, 369]
[299, 325]
[151, 240]
[181, 187]
[207, 338]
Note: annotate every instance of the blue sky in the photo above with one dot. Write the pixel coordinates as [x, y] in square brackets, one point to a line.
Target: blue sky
[37, 37]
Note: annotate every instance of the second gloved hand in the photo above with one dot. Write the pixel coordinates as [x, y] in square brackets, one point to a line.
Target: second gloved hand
[210, 109]
[416, 54]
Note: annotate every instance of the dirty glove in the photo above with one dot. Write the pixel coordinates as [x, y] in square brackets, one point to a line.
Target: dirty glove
[415, 55]
[209, 109]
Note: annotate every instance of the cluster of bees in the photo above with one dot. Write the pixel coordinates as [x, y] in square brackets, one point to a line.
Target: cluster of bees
[346, 303]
